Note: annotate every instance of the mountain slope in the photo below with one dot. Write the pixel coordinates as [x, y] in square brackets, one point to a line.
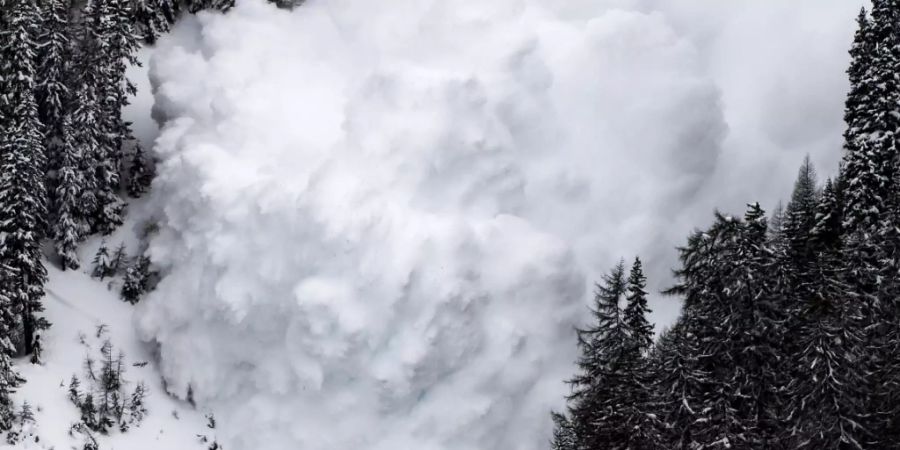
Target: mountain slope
[85, 313]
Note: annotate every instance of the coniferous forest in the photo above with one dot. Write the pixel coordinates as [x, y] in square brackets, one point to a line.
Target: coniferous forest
[789, 336]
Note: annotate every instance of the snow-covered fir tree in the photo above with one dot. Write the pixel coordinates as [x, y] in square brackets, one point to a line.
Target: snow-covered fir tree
[109, 44]
[563, 434]
[103, 265]
[153, 17]
[52, 65]
[69, 226]
[607, 407]
[637, 310]
[23, 196]
[140, 172]
[800, 216]
[871, 106]
[136, 280]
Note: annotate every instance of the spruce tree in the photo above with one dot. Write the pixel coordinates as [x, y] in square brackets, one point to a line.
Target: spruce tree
[119, 259]
[200, 5]
[758, 332]
[594, 406]
[9, 377]
[637, 310]
[717, 376]
[75, 391]
[799, 221]
[108, 45]
[22, 160]
[69, 227]
[827, 231]
[56, 107]
[563, 434]
[702, 364]
[872, 163]
[136, 280]
[827, 395]
[153, 17]
[800, 215]
[870, 142]
[679, 385]
[606, 405]
[636, 386]
[52, 73]
[102, 263]
[140, 171]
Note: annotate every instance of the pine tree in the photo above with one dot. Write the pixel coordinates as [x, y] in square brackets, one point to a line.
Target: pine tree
[800, 217]
[870, 114]
[27, 415]
[200, 5]
[22, 160]
[678, 385]
[872, 163]
[119, 259]
[102, 264]
[52, 73]
[136, 280]
[89, 412]
[9, 377]
[117, 32]
[153, 17]
[759, 334]
[717, 373]
[109, 44]
[636, 311]
[601, 405]
[700, 367]
[141, 173]
[827, 232]
[563, 434]
[137, 408]
[826, 396]
[56, 105]
[69, 227]
[75, 391]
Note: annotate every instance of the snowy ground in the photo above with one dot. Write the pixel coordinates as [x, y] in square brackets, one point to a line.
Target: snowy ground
[78, 306]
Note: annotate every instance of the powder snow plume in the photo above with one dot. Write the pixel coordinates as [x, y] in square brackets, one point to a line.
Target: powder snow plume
[380, 220]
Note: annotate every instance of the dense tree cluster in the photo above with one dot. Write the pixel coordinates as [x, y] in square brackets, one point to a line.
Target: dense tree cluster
[789, 336]
[63, 144]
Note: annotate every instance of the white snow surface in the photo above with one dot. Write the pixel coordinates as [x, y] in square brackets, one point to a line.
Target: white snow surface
[77, 305]
[380, 220]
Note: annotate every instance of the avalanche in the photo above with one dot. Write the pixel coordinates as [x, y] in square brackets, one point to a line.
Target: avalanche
[369, 210]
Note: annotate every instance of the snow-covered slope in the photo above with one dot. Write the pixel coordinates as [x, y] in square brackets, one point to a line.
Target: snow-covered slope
[85, 313]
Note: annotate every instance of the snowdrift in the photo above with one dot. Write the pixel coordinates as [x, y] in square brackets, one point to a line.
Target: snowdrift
[380, 221]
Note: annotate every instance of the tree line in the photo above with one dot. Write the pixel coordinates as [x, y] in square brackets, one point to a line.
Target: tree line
[789, 335]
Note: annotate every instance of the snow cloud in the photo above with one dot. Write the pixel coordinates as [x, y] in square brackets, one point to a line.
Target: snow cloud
[380, 220]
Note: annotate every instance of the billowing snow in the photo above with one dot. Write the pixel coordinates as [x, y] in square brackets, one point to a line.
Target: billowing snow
[380, 220]
[385, 242]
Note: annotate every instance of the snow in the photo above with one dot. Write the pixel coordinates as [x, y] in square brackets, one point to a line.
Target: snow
[379, 225]
[77, 305]
[379, 221]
